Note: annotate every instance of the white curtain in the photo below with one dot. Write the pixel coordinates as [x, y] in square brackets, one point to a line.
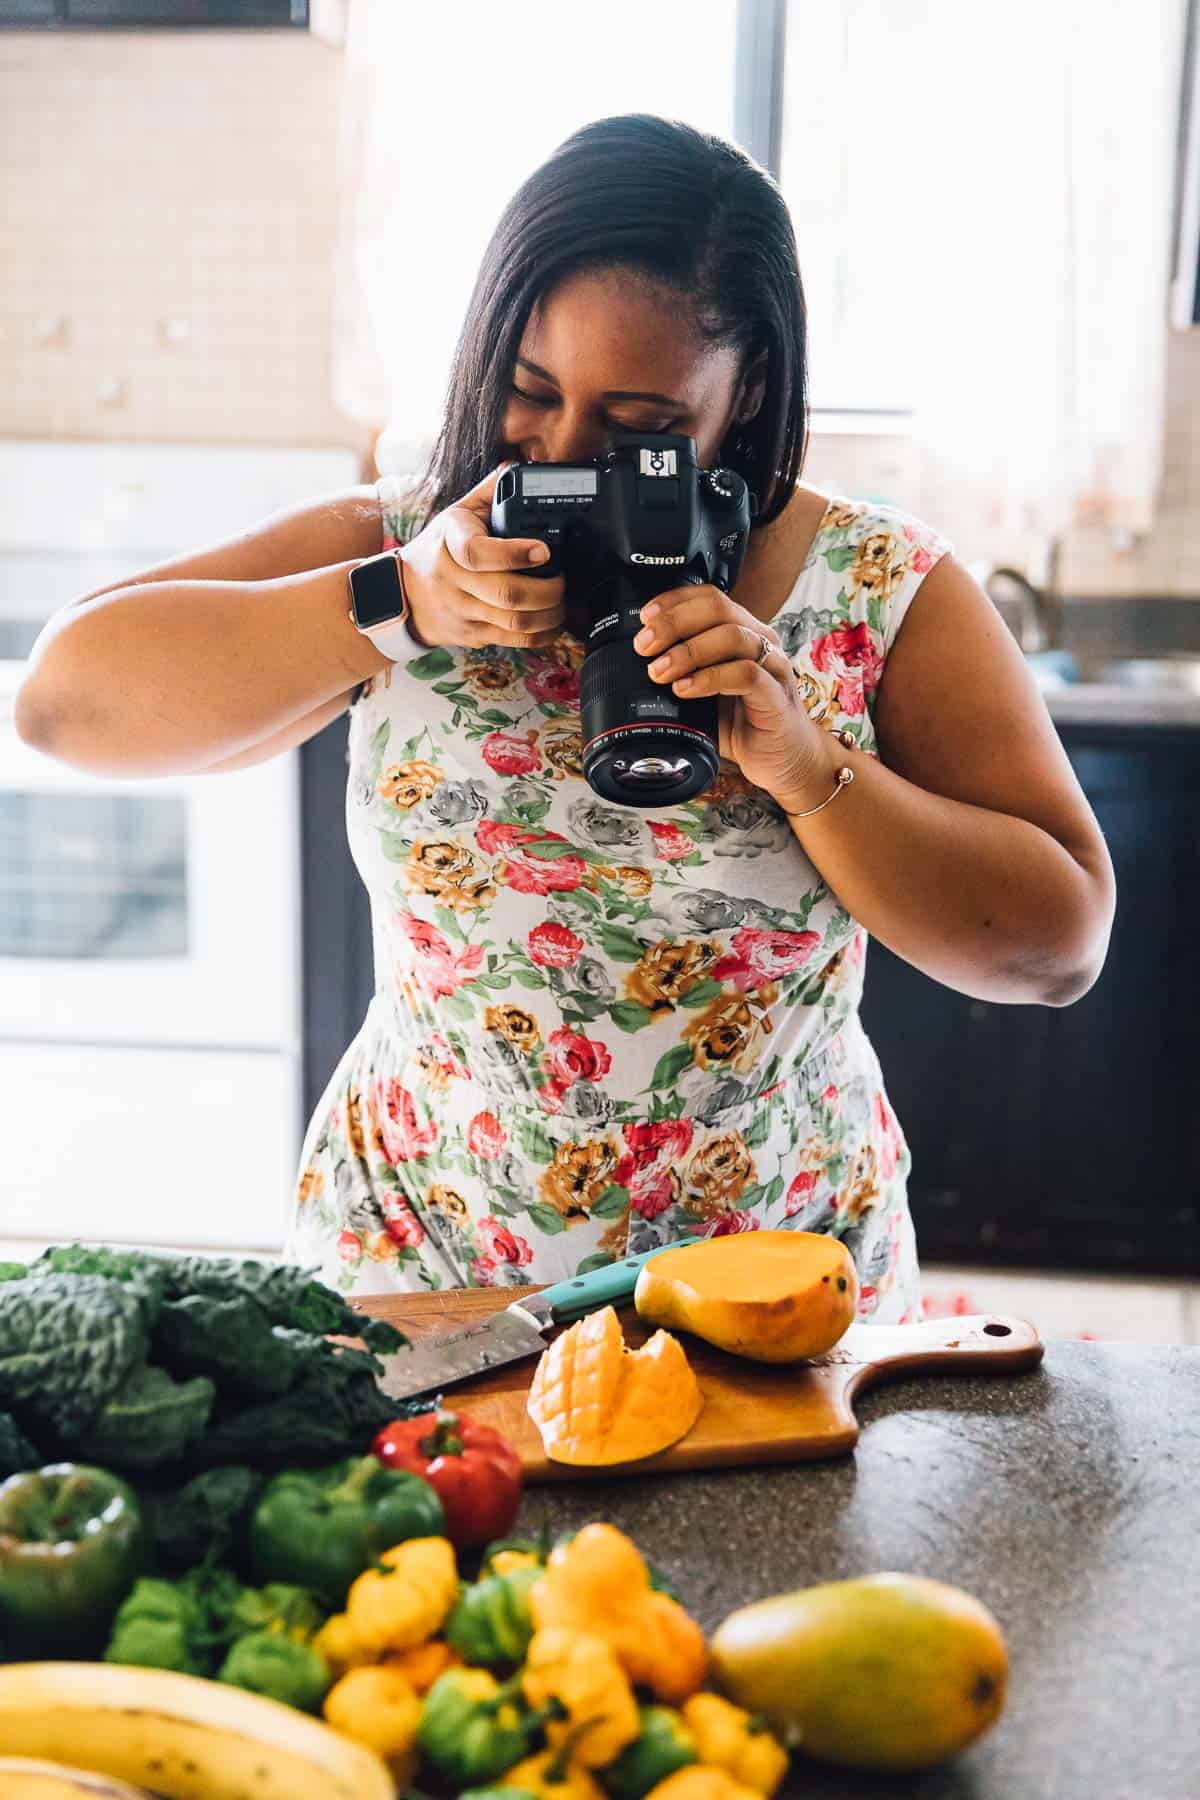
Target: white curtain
[1022, 219]
[1045, 161]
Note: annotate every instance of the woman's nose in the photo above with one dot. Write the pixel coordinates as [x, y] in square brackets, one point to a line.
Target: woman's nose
[570, 442]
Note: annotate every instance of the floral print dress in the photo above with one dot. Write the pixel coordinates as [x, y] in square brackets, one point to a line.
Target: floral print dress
[597, 1028]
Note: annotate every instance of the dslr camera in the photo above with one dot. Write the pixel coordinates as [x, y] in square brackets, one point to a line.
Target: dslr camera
[621, 528]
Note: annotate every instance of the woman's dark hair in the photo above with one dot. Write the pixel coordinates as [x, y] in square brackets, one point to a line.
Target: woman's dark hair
[672, 205]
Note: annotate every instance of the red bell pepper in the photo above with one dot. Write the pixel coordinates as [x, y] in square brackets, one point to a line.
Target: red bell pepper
[475, 1471]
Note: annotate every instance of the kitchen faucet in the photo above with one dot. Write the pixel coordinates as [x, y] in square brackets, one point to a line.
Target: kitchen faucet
[1040, 619]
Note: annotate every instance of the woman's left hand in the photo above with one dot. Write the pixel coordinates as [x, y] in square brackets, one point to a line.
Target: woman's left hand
[700, 642]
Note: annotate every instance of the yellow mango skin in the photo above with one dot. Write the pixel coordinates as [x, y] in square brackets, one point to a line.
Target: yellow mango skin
[772, 1296]
[892, 1672]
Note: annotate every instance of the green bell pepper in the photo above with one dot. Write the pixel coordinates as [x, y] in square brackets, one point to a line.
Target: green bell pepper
[279, 1608]
[266, 1663]
[492, 1623]
[71, 1546]
[663, 1744]
[161, 1625]
[320, 1528]
[473, 1730]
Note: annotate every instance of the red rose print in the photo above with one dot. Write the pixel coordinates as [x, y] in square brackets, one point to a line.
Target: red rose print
[646, 1168]
[438, 969]
[921, 561]
[575, 1058]
[868, 1298]
[509, 754]
[403, 1139]
[832, 1097]
[890, 1141]
[349, 1246]
[850, 653]
[732, 1222]
[671, 1138]
[526, 871]
[550, 682]
[499, 1244]
[670, 842]
[486, 1136]
[761, 956]
[554, 946]
[801, 1192]
[553, 1094]
[401, 1222]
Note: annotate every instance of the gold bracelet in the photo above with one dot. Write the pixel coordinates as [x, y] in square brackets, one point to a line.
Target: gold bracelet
[842, 779]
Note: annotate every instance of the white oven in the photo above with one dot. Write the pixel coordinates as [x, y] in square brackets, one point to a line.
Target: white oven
[150, 956]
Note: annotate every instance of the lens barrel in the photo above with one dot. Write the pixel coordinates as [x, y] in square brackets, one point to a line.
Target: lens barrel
[642, 746]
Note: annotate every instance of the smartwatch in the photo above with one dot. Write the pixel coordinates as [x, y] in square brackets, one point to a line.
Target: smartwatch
[379, 605]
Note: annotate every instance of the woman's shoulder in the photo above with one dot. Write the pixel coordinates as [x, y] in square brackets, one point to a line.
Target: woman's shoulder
[854, 533]
[864, 566]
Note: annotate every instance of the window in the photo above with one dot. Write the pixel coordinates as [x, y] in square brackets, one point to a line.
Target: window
[848, 105]
[95, 13]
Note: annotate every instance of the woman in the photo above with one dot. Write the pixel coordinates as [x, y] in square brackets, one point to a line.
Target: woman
[596, 1028]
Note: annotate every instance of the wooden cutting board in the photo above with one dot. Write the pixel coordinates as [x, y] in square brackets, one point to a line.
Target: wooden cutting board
[753, 1412]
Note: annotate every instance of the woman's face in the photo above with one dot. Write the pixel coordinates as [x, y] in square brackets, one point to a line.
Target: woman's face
[592, 352]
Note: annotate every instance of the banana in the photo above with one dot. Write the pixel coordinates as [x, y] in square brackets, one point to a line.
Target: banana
[182, 1737]
[22, 1780]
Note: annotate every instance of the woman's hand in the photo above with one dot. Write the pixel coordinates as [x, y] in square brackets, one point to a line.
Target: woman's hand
[464, 585]
[701, 642]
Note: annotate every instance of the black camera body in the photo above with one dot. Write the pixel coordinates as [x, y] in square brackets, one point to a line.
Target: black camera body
[620, 529]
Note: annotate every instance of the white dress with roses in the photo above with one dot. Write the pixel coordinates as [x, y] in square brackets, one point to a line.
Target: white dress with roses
[596, 1028]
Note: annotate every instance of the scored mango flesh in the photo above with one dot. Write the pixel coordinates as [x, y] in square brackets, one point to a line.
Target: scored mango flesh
[595, 1401]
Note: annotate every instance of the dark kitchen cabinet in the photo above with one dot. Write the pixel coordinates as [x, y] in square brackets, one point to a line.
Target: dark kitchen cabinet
[1066, 1137]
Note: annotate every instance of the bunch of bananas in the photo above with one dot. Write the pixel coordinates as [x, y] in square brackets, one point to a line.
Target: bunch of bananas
[140, 1731]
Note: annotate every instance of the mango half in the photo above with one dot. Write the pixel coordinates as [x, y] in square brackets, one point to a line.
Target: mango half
[772, 1296]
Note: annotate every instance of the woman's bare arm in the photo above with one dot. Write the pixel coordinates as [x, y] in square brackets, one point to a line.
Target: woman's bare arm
[213, 660]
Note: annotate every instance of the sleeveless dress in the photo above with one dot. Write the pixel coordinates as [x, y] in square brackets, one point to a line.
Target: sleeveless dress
[597, 1028]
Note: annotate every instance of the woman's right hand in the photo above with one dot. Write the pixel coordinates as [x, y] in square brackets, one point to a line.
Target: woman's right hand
[465, 587]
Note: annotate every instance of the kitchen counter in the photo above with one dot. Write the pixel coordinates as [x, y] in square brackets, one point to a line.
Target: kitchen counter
[1068, 1500]
[1100, 703]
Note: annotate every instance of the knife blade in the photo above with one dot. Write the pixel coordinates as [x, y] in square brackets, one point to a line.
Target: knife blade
[519, 1331]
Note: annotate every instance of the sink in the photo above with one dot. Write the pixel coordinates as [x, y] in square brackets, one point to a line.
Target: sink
[1176, 674]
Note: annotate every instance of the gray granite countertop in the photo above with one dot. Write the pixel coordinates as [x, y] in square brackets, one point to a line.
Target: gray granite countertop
[1067, 1499]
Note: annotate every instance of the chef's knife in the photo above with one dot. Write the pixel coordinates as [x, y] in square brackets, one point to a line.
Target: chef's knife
[520, 1330]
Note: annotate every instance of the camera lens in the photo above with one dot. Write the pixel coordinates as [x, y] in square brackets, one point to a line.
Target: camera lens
[642, 746]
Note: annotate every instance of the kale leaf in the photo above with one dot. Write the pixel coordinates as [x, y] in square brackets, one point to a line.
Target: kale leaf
[16, 1451]
[334, 1410]
[235, 1342]
[67, 1343]
[150, 1420]
[205, 1520]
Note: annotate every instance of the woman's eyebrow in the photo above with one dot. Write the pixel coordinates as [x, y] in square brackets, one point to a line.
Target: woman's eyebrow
[609, 393]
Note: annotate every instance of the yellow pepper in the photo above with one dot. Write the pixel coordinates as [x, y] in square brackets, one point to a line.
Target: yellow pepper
[701, 1782]
[598, 1583]
[554, 1775]
[423, 1663]
[378, 1707]
[733, 1740]
[338, 1643]
[407, 1600]
[583, 1675]
[505, 1561]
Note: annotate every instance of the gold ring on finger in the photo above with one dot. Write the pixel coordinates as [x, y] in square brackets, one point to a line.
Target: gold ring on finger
[765, 647]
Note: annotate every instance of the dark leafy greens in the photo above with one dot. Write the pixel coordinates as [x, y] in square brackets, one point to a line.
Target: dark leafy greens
[148, 1362]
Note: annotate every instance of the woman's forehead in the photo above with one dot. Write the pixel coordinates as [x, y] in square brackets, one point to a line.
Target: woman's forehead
[612, 333]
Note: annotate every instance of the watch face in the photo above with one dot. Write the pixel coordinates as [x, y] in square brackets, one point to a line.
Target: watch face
[375, 586]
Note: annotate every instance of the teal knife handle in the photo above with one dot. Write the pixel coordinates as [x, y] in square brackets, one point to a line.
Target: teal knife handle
[599, 1287]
